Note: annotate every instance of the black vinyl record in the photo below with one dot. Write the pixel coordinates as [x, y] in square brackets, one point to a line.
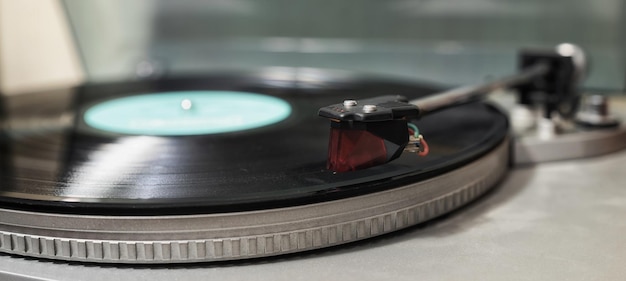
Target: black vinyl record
[51, 160]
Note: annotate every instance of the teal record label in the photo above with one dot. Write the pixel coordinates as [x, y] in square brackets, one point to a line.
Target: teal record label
[187, 113]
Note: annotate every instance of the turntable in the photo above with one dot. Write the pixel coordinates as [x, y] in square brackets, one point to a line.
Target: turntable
[174, 176]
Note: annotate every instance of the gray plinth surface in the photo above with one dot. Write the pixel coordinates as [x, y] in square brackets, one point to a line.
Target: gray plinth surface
[553, 221]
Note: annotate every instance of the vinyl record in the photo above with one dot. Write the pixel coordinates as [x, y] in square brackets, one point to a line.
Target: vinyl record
[53, 159]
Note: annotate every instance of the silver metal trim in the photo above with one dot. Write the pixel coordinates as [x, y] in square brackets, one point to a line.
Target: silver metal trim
[531, 149]
[229, 236]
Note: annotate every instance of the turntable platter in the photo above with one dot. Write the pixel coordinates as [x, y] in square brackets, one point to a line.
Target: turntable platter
[75, 191]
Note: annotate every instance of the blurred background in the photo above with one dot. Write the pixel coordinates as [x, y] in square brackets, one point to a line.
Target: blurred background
[54, 43]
